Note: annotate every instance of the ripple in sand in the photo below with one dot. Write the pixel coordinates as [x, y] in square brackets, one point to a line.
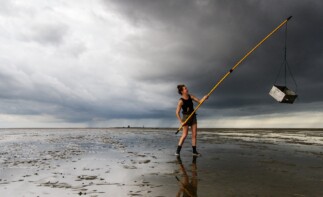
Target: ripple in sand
[129, 167]
[86, 177]
[56, 184]
[144, 161]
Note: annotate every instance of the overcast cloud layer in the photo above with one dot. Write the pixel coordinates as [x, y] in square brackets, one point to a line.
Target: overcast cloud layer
[106, 63]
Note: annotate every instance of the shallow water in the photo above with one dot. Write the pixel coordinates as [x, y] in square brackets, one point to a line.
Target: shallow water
[141, 162]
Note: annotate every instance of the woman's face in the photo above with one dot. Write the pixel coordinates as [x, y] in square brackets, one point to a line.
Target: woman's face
[184, 90]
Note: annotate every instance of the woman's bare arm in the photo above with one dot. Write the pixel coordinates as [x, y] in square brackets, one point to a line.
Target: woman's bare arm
[178, 110]
[199, 100]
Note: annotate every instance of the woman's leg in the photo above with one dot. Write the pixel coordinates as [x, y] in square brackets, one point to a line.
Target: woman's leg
[184, 135]
[194, 134]
[181, 140]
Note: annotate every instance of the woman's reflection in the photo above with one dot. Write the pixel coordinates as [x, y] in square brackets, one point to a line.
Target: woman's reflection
[188, 186]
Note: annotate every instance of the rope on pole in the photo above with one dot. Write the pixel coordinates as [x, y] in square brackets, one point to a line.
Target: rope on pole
[232, 69]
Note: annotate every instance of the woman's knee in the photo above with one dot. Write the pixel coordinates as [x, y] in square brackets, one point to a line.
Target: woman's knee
[184, 135]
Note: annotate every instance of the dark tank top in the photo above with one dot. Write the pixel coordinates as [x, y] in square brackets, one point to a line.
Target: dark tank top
[187, 106]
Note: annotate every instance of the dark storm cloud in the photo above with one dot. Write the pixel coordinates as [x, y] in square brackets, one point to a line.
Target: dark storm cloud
[38, 94]
[214, 35]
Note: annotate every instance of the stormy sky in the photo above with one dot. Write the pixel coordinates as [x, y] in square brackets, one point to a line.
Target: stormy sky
[106, 63]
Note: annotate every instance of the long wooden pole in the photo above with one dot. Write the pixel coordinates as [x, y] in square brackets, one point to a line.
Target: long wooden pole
[231, 70]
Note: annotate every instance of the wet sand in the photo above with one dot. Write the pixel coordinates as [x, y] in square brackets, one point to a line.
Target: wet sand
[141, 162]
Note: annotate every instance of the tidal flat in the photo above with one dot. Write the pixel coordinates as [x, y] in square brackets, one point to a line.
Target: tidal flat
[141, 162]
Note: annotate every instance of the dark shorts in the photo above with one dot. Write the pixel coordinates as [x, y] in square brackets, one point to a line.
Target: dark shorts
[191, 121]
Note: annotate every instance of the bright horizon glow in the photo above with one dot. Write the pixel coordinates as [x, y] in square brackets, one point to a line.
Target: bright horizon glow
[291, 120]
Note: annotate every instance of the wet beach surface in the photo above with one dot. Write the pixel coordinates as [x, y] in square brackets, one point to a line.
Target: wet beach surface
[141, 162]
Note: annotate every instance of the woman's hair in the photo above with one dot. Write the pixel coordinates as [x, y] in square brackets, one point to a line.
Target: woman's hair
[180, 88]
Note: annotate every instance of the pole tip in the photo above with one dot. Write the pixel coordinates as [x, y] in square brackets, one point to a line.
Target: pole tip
[177, 131]
[289, 18]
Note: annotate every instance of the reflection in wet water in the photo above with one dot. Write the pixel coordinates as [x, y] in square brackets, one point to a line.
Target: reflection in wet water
[188, 185]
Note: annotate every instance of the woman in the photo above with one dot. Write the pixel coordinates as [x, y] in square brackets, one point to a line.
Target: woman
[186, 104]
